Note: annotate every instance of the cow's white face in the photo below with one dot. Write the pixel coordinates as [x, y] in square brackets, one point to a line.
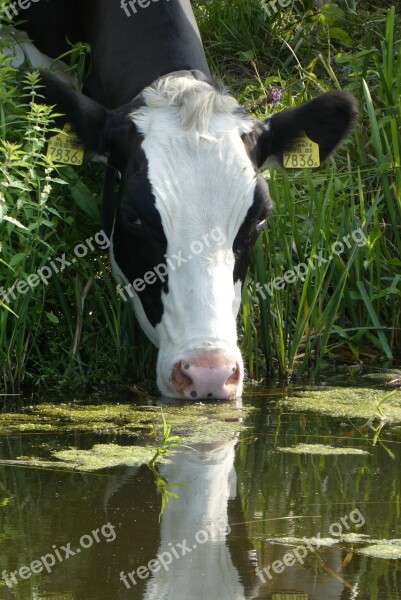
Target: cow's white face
[203, 183]
[189, 157]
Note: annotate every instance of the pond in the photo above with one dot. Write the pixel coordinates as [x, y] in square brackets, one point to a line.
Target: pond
[288, 494]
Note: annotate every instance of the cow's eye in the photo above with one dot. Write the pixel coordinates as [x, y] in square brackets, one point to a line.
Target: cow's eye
[261, 225]
[134, 222]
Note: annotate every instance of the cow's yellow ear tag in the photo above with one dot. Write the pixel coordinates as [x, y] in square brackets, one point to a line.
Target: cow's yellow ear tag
[303, 155]
[66, 147]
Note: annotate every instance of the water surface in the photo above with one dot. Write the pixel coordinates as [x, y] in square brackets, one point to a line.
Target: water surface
[275, 502]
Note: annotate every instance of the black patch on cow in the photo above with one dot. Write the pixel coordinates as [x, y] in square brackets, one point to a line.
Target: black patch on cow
[139, 242]
[248, 233]
[53, 26]
[109, 200]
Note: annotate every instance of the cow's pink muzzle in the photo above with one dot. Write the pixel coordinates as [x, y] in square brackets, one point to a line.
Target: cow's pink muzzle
[214, 375]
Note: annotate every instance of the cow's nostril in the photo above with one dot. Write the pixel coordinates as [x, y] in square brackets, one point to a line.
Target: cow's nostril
[194, 394]
[186, 366]
[233, 379]
[210, 395]
[180, 379]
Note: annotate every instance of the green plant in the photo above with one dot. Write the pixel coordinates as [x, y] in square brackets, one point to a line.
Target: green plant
[167, 444]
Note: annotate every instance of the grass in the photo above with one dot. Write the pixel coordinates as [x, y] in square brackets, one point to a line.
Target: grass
[76, 333]
[349, 308]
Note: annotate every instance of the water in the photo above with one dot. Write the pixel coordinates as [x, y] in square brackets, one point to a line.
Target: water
[242, 525]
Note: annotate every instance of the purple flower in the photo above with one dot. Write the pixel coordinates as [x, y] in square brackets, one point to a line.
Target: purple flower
[274, 95]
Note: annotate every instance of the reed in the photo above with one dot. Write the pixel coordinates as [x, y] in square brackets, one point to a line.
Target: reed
[348, 308]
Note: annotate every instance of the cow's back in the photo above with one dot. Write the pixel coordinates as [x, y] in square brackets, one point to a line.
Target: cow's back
[50, 24]
[129, 52]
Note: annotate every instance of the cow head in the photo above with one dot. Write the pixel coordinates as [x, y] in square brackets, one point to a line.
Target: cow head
[191, 205]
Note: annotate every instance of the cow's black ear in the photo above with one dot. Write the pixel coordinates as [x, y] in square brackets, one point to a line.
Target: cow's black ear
[326, 120]
[88, 117]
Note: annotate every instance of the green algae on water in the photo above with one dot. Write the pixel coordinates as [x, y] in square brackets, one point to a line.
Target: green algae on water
[194, 423]
[296, 541]
[320, 449]
[387, 551]
[350, 402]
[102, 456]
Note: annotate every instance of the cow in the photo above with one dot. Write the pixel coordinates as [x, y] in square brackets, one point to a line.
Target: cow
[191, 199]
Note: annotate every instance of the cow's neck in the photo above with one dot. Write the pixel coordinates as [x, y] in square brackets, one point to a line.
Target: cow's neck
[141, 46]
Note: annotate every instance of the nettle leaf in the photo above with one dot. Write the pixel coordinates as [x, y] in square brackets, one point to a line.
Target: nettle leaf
[18, 185]
[47, 223]
[15, 222]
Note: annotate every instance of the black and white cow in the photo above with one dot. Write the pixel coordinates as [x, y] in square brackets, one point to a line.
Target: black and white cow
[191, 198]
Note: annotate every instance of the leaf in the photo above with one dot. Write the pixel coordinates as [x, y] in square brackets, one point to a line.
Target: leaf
[15, 222]
[375, 320]
[17, 258]
[52, 318]
[341, 35]
[333, 13]
[246, 56]
[82, 195]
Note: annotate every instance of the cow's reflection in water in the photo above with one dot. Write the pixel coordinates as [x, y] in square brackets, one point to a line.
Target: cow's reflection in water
[196, 528]
[202, 550]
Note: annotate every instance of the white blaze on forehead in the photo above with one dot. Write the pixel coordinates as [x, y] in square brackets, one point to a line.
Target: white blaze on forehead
[202, 179]
[199, 170]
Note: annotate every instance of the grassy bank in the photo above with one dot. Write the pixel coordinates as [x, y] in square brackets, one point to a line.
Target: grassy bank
[73, 329]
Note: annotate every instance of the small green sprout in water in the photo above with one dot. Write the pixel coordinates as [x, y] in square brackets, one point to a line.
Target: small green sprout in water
[385, 397]
[382, 422]
[167, 443]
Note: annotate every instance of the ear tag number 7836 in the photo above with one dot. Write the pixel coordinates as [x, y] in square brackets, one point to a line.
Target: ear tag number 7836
[303, 155]
[66, 147]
